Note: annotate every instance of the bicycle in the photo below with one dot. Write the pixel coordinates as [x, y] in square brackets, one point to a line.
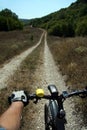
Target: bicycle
[54, 113]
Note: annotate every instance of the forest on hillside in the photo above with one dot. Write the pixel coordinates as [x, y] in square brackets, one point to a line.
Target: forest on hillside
[9, 21]
[67, 22]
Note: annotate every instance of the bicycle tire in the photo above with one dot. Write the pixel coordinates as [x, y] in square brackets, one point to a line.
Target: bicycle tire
[58, 124]
[47, 118]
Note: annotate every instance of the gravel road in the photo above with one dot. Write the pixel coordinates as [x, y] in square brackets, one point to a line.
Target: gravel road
[9, 68]
[47, 73]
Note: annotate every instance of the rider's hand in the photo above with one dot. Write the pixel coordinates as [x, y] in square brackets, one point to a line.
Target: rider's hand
[18, 96]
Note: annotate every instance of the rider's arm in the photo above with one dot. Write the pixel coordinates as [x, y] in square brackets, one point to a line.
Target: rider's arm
[10, 120]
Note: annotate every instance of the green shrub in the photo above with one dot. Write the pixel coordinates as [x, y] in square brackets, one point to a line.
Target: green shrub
[81, 49]
[81, 29]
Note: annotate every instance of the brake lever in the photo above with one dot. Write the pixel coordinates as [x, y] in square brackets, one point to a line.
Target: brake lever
[83, 96]
[36, 100]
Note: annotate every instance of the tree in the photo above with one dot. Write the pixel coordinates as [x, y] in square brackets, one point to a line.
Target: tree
[9, 21]
[8, 13]
[3, 23]
[81, 29]
[62, 28]
[55, 30]
[81, 1]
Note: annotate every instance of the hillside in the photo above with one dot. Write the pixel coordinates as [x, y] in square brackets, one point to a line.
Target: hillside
[24, 21]
[71, 21]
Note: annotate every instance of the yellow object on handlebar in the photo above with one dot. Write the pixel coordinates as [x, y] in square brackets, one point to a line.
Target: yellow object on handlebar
[40, 92]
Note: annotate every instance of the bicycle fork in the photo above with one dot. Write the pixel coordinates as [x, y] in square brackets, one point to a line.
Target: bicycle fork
[56, 114]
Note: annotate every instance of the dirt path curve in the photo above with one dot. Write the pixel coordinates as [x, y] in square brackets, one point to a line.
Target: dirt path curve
[48, 73]
[11, 67]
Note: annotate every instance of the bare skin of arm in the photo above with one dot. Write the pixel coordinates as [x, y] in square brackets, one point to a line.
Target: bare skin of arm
[11, 118]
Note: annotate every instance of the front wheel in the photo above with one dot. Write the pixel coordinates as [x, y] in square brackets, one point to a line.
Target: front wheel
[60, 124]
[52, 122]
[47, 118]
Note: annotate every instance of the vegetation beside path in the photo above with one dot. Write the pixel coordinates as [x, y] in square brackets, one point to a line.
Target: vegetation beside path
[24, 78]
[70, 55]
[13, 43]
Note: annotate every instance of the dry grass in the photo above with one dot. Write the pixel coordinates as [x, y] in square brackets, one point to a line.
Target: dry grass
[14, 42]
[24, 79]
[70, 55]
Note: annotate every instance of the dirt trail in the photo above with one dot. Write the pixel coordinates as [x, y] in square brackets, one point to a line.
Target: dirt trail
[13, 65]
[53, 76]
[47, 74]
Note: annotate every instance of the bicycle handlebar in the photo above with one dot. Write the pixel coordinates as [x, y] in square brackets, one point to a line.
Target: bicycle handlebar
[75, 93]
[64, 95]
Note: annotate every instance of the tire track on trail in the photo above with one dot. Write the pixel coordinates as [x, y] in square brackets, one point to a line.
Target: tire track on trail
[47, 74]
[53, 76]
[8, 70]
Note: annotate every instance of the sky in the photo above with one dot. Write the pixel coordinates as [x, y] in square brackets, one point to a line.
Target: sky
[29, 9]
